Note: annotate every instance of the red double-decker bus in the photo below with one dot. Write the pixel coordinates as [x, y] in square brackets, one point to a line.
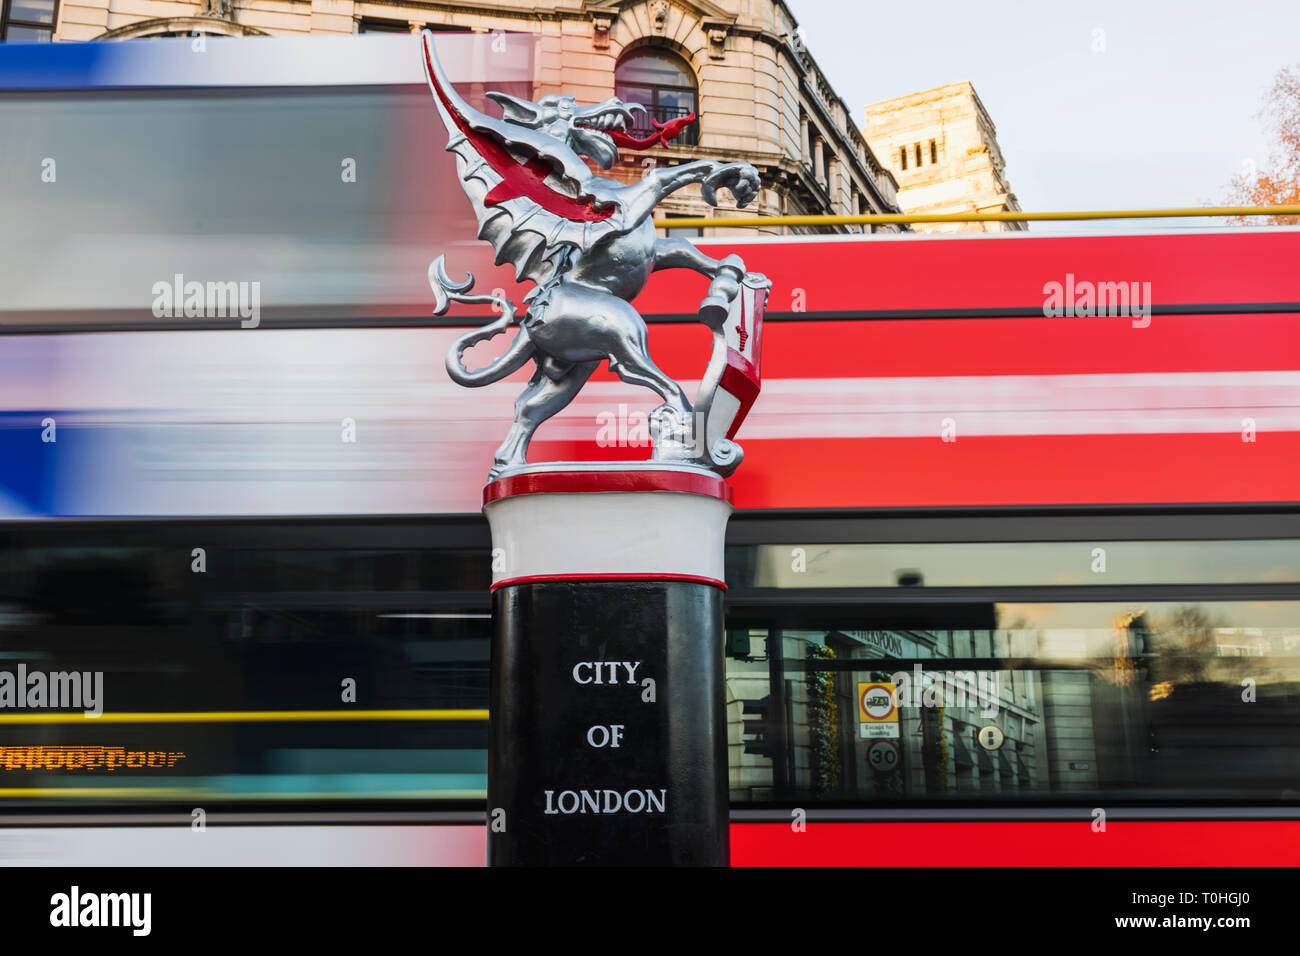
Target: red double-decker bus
[962, 473]
[1039, 493]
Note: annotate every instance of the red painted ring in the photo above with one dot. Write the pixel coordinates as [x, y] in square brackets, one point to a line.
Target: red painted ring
[578, 578]
[583, 482]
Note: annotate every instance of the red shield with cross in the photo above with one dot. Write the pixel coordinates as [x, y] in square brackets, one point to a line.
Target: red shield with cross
[738, 388]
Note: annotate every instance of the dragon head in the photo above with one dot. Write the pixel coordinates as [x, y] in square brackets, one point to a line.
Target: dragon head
[535, 150]
[594, 131]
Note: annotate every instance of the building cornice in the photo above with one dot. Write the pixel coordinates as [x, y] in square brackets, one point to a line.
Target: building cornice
[871, 168]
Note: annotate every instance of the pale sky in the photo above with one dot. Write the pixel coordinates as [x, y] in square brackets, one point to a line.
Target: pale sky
[1164, 117]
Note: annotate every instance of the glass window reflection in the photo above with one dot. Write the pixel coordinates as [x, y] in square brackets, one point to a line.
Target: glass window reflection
[1159, 703]
[1019, 564]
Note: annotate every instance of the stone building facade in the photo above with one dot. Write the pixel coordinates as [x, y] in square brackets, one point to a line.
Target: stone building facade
[942, 147]
[740, 65]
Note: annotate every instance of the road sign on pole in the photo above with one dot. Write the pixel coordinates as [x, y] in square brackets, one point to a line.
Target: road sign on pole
[883, 756]
[877, 710]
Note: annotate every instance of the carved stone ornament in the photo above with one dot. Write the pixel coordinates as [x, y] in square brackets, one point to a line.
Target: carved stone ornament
[717, 30]
[221, 9]
[588, 243]
[658, 15]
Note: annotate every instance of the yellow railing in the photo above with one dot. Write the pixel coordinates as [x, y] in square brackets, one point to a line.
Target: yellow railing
[244, 716]
[209, 793]
[728, 222]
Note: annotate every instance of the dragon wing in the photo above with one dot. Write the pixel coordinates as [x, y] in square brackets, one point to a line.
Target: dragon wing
[526, 187]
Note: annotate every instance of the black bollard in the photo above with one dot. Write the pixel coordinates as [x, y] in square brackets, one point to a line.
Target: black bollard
[607, 733]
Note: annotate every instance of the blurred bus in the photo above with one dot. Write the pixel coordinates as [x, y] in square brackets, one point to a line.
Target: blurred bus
[1076, 535]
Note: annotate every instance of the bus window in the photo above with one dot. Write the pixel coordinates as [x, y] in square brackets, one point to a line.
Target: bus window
[1140, 701]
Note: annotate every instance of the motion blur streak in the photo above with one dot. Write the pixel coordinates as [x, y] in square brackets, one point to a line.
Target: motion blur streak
[248, 716]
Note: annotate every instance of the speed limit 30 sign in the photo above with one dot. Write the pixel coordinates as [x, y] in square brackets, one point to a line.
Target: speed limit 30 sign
[882, 756]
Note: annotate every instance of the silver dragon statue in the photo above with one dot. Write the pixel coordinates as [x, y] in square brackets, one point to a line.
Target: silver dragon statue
[588, 243]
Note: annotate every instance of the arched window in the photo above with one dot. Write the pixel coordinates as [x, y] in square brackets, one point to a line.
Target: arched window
[663, 83]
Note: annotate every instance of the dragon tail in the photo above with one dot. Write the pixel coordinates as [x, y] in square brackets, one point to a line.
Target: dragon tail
[445, 292]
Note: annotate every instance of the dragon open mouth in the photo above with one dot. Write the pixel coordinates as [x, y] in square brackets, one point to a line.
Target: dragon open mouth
[609, 126]
[605, 123]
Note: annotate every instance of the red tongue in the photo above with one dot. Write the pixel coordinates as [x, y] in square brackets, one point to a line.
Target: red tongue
[662, 134]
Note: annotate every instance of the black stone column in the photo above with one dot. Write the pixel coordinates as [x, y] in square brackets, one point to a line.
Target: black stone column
[608, 725]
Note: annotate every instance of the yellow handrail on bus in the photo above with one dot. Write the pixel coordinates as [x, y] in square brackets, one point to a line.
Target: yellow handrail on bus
[103, 793]
[243, 716]
[205, 792]
[885, 218]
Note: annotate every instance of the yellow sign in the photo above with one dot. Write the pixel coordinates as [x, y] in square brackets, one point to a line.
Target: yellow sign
[877, 710]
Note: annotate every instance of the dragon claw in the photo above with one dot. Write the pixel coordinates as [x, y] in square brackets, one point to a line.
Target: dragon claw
[740, 179]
